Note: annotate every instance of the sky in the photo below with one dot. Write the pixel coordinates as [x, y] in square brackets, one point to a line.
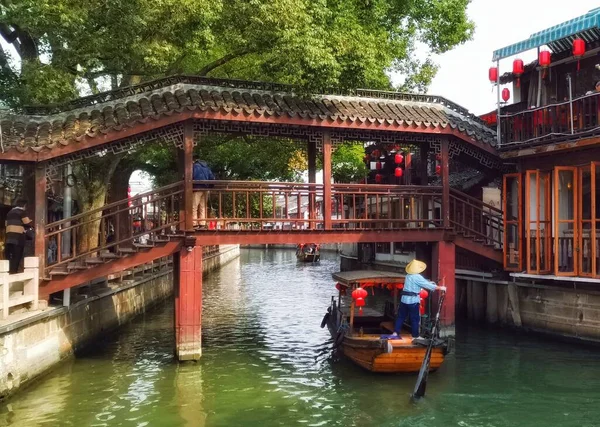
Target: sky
[463, 74]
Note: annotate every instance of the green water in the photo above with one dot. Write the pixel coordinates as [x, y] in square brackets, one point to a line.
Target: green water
[266, 363]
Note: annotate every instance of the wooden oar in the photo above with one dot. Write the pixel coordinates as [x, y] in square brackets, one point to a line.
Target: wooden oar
[421, 384]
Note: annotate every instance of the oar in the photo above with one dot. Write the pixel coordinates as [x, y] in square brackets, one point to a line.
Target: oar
[421, 384]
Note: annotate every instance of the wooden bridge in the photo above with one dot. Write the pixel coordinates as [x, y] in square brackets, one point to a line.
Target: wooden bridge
[182, 110]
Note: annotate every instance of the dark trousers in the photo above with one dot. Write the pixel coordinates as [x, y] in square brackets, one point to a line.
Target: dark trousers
[14, 254]
[412, 312]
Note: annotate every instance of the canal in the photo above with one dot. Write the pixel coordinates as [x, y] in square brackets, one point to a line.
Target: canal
[266, 363]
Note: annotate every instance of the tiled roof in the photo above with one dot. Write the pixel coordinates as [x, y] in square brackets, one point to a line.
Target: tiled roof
[39, 128]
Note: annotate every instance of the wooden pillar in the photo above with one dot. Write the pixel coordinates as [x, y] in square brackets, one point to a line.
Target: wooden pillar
[188, 165]
[327, 180]
[312, 179]
[40, 215]
[187, 267]
[446, 184]
[443, 261]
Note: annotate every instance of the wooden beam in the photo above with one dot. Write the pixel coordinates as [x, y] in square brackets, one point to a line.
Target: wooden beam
[40, 216]
[444, 262]
[88, 141]
[103, 270]
[188, 305]
[188, 169]
[318, 236]
[480, 249]
[327, 149]
[445, 183]
[312, 179]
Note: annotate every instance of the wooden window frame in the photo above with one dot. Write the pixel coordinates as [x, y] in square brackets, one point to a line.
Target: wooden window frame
[557, 221]
[518, 222]
[594, 168]
[540, 177]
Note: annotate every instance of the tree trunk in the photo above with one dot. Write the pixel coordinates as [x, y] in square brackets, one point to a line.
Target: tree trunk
[118, 192]
[88, 234]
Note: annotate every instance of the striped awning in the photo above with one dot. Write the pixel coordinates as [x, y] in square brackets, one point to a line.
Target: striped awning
[558, 38]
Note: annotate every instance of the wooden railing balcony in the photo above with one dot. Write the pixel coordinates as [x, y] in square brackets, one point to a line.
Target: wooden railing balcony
[288, 206]
[475, 219]
[551, 123]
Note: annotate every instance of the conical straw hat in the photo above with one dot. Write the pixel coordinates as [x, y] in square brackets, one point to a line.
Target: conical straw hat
[415, 267]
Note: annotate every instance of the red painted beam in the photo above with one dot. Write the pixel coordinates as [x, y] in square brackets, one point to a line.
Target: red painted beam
[188, 304]
[88, 142]
[443, 258]
[316, 236]
[112, 267]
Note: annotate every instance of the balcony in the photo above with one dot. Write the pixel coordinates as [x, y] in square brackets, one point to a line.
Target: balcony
[551, 123]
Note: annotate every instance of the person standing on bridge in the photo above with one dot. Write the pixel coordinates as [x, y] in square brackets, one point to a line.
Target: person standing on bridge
[201, 172]
[16, 223]
[409, 302]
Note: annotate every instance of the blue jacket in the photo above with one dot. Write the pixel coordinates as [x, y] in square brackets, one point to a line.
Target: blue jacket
[414, 283]
[202, 172]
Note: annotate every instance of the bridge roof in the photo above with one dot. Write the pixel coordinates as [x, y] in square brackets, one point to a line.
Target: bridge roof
[39, 129]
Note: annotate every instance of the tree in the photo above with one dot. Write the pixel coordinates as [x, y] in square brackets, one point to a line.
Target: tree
[348, 163]
[61, 49]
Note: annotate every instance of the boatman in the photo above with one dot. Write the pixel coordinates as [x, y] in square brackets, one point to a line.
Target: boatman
[409, 303]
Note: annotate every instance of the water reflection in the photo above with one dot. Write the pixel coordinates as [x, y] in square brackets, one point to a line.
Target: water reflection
[266, 362]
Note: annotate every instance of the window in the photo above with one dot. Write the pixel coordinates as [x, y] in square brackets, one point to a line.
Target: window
[538, 222]
[565, 224]
[511, 203]
[383, 248]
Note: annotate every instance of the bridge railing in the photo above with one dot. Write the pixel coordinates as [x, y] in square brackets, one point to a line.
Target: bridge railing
[257, 205]
[250, 205]
[473, 218]
[363, 206]
[101, 232]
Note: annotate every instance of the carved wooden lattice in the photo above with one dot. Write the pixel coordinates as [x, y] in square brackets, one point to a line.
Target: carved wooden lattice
[173, 134]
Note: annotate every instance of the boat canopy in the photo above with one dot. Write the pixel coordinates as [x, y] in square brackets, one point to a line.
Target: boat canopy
[362, 277]
[558, 38]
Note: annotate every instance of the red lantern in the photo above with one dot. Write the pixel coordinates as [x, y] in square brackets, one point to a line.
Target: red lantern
[338, 286]
[578, 50]
[505, 94]
[518, 70]
[398, 172]
[493, 74]
[545, 59]
[360, 303]
[359, 293]
[438, 169]
[398, 158]
[423, 294]
[378, 178]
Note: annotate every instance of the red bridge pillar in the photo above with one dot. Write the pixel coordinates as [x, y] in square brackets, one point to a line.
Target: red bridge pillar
[188, 303]
[444, 264]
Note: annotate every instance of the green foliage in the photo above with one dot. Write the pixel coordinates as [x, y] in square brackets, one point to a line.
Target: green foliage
[348, 164]
[65, 45]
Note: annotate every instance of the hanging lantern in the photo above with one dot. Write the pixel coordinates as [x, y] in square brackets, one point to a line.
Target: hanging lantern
[545, 58]
[438, 169]
[505, 94]
[493, 74]
[398, 158]
[359, 293]
[578, 50]
[423, 295]
[360, 303]
[375, 153]
[378, 178]
[398, 172]
[518, 70]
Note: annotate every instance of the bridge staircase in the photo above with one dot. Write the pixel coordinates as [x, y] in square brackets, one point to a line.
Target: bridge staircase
[151, 226]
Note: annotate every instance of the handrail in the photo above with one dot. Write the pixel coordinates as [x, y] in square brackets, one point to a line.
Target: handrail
[475, 200]
[544, 107]
[112, 205]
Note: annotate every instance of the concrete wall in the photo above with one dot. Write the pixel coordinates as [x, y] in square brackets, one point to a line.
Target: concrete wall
[566, 313]
[33, 346]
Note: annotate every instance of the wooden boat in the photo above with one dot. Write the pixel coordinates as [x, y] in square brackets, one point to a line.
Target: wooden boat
[364, 337]
[308, 252]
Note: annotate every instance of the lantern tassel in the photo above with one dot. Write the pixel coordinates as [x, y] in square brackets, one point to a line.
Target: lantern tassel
[518, 81]
[578, 65]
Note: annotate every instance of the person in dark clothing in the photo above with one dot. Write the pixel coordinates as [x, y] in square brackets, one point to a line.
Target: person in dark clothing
[16, 223]
[201, 172]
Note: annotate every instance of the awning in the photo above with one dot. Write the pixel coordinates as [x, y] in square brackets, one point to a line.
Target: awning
[364, 276]
[558, 38]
